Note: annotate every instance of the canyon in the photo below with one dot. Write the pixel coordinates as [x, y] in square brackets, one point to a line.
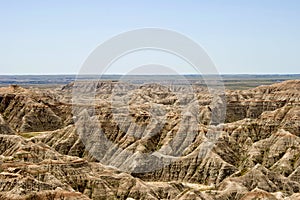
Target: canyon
[149, 141]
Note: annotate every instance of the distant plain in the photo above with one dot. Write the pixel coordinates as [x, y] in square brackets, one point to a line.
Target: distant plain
[231, 81]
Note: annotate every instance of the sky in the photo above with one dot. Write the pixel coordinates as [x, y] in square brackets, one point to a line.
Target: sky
[240, 36]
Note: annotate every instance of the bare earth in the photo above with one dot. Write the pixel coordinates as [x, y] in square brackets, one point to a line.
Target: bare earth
[255, 153]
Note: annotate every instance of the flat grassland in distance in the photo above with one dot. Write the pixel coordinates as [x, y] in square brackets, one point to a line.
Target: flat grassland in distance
[231, 81]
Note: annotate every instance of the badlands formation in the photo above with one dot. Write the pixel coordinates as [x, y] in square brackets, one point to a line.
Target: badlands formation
[150, 142]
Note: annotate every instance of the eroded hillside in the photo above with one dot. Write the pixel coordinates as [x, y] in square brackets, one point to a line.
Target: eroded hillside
[159, 143]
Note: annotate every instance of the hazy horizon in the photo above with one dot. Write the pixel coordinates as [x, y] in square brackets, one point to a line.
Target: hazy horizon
[224, 74]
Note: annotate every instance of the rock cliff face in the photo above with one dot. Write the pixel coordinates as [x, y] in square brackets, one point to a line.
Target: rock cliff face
[29, 111]
[149, 142]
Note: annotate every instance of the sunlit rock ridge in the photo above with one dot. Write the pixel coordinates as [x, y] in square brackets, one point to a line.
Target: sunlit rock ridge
[254, 152]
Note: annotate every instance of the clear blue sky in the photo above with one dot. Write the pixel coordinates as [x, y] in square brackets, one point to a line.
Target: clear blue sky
[241, 36]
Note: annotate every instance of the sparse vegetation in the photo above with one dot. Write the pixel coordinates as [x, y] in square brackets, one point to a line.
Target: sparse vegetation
[30, 134]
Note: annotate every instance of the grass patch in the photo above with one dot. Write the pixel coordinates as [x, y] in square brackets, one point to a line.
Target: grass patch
[29, 134]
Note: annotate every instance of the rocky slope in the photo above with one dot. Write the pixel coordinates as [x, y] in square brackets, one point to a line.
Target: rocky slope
[156, 142]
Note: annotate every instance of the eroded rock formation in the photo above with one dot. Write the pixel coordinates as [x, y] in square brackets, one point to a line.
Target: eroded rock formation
[149, 142]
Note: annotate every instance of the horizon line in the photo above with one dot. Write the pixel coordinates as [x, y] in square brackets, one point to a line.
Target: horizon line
[221, 74]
